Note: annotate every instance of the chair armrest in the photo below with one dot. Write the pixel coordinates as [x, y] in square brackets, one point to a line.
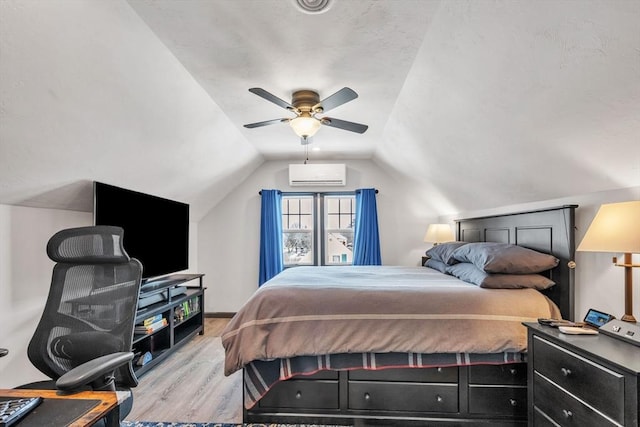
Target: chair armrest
[93, 370]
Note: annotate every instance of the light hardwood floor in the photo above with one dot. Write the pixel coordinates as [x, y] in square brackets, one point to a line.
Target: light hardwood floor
[190, 385]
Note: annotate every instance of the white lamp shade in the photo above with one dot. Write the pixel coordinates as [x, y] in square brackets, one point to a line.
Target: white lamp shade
[439, 233]
[305, 126]
[615, 228]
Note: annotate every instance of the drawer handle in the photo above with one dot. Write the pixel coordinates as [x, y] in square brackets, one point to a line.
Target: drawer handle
[439, 399]
[367, 396]
[298, 395]
[513, 402]
[567, 414]
[566, 372]
[513, 371]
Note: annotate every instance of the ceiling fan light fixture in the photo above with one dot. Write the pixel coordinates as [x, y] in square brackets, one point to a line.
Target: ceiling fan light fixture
[305, 127]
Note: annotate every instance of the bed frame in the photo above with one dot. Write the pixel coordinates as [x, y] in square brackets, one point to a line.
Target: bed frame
[493, 395]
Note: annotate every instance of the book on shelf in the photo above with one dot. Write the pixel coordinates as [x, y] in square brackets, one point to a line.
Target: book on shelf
[186, 309]
[147, 329]
[151, 320]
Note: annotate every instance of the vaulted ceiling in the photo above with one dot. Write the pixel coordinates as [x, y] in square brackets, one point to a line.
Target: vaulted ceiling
[482, 103]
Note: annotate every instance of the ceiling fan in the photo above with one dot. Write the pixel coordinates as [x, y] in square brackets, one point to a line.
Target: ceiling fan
[306, 104]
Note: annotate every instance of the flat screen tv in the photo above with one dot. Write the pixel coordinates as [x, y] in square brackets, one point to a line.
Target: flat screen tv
[156, 230]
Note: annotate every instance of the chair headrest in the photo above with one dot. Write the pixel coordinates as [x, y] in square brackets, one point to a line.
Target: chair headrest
[100, 244]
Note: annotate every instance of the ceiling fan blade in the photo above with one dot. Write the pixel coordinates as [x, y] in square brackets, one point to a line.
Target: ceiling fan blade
[342, 96]
[265, 123]
[342, 124]
[272, 98]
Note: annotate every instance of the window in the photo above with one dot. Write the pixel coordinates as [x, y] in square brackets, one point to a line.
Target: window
[297, 230]
[317, 228]
[338, 225]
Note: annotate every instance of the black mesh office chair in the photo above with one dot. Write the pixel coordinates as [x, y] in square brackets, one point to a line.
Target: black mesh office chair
[83, 340]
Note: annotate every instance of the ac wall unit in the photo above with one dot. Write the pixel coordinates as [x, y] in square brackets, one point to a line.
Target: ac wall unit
[317, 174]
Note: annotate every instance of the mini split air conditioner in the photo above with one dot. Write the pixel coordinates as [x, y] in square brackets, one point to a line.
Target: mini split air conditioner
[317, 174]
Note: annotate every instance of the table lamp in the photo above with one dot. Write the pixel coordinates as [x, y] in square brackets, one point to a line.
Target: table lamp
[438, 233]
[616, 228]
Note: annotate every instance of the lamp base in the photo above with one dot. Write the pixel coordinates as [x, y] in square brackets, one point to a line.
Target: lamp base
[628, 318]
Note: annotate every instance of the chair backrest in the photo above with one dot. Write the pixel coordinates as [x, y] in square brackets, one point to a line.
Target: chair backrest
[92, 302]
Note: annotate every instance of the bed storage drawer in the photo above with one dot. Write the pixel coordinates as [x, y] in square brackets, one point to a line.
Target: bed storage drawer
[511, 374]
[372, 395]
[431, 375]
[320, 375]
[497, 400]
[301, 394]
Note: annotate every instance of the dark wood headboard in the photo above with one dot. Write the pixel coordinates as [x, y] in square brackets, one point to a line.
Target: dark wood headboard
[549, 230]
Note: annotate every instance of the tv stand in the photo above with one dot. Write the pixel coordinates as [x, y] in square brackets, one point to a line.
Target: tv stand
[176, 319]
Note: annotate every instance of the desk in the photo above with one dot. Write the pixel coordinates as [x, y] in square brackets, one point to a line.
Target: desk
[96, 404]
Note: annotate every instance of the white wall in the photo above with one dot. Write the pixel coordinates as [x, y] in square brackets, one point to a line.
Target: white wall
[229, 234]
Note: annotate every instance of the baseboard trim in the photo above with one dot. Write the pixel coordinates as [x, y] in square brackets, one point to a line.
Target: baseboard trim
[220, 315]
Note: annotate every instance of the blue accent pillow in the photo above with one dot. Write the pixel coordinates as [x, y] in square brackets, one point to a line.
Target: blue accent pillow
[436, 265]
[443, 252]
[504, 258]
[470, 273]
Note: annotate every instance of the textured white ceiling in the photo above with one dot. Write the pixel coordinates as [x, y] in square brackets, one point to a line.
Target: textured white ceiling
[231, 46]
[479, 103]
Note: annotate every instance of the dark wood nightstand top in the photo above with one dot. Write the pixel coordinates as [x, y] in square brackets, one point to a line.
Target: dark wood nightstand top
[603, 347]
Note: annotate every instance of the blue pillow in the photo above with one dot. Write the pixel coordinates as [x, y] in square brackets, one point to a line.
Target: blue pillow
[470, 273]
[443, 251]
[504, 258]
[436, 265]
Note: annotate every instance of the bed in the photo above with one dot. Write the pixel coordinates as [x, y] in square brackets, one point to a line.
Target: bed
[370, 345]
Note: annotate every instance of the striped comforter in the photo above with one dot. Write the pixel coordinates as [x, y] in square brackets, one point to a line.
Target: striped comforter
[307, 311]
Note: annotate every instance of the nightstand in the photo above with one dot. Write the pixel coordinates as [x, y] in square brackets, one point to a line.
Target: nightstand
[581, 380]
[424, 259]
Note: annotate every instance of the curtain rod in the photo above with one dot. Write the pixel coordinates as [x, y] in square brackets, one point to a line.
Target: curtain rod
[279, 191]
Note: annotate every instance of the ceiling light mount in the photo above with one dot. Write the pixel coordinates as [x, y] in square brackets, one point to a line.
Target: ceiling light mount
[313, 6]
[305, 100]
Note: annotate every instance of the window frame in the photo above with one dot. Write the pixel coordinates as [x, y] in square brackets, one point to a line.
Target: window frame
[320, 219]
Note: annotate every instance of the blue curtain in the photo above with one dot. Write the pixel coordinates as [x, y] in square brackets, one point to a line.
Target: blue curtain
[366, 240]
[271, 262]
